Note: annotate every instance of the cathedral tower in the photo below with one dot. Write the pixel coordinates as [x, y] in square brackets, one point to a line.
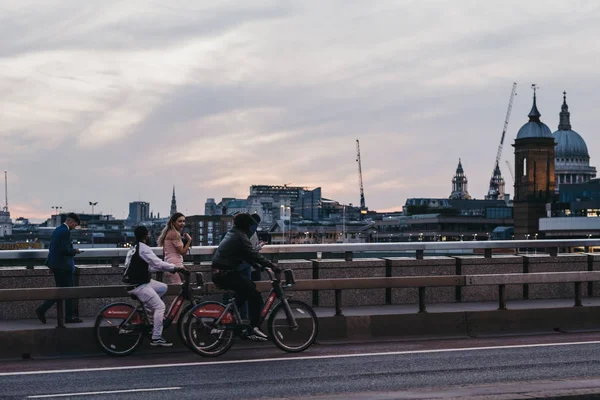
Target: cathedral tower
[534, 173]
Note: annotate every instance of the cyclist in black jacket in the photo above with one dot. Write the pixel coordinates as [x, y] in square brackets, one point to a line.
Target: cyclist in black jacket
[234, 249]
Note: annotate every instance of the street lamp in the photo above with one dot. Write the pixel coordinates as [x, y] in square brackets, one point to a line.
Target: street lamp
[93, 204]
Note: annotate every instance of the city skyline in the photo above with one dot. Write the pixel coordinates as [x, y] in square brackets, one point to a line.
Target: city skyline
[115, 102]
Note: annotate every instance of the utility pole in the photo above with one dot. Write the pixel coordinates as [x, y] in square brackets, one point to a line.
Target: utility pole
[93, 204]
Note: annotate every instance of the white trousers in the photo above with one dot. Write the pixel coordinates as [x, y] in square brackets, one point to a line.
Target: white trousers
[150, 294]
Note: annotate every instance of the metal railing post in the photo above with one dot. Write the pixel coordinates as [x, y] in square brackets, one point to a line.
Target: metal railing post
[590, 267]
[422, 306]
[338, 303]
[75, 302]
[525, 271]
[501, 297]
[60, 313]
[458, 289]
[388, 274]
[578, 294]
[315, 275]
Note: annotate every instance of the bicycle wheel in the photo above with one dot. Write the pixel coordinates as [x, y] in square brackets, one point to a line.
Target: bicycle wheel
[290, 339]
[205, 337]
[113, 338]
[182, 323]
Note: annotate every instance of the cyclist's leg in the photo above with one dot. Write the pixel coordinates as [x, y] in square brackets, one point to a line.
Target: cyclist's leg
[246, 291]
[159, 287]
[151, 300]
[246, 270]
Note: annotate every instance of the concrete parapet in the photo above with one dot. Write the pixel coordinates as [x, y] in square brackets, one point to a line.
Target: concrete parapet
[561, 263]
[358, 268]
[428, 266]
[501, 264]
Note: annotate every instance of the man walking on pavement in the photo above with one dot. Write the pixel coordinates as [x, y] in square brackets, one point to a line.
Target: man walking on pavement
[61, 264]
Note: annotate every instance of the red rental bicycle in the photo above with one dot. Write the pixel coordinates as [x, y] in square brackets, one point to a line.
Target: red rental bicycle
[120, 327]
[292, 324]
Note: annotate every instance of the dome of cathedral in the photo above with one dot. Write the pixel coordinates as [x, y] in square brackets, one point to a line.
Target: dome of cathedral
[568, 142]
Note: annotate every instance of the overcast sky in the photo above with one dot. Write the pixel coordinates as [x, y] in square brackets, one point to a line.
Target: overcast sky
[115, 101]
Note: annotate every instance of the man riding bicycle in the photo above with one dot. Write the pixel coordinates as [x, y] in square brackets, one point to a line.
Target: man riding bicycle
[140, 261]
[234, 249]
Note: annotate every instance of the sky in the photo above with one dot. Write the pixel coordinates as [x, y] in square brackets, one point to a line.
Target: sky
[112, 102]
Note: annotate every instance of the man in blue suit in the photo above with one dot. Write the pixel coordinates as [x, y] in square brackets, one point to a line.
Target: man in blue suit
[61, 264]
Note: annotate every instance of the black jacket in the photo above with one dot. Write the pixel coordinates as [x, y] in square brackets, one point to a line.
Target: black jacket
[236, 248]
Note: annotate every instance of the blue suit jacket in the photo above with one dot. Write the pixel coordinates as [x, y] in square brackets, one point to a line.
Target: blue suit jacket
[61, 251]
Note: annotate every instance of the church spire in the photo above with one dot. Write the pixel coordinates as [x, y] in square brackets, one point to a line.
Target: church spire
[565, 115]
[173, 203]
[534, 114]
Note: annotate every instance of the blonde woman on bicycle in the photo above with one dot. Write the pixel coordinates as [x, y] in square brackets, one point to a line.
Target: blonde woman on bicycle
[174, 249]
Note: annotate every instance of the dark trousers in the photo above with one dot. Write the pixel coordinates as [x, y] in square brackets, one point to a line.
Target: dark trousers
[63, 278]
[245, 290]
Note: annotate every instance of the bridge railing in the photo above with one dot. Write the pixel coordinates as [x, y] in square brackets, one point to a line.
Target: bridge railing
[337, 285]
[347, 251]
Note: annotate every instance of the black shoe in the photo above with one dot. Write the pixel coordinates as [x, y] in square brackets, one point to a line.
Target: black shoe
[160, 342]
[73, 321]
[40, 316]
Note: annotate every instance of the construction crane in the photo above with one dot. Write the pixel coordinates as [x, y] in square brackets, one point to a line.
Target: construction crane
[363, 208]
[493, 191]
[512, 174]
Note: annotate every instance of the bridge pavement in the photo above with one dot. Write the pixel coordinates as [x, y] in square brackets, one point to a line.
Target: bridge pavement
[557, 365]
[31, 339]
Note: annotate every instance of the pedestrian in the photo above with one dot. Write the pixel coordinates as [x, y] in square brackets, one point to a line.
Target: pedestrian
[174, 248]
[61, 264]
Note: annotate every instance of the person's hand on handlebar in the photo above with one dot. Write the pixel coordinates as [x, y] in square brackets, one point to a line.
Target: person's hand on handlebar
[182, 270]
[275, 269]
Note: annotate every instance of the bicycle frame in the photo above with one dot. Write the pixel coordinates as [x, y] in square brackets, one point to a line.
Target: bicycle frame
[277, 292]
[174, 310]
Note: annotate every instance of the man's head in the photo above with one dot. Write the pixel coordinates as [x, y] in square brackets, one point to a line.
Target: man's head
[72, 220]
[141, 234]
[243, 222]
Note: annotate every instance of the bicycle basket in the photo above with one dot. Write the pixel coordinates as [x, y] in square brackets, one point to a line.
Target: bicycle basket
[289, 277]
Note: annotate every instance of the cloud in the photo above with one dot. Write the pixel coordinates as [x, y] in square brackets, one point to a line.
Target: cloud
[117, 101]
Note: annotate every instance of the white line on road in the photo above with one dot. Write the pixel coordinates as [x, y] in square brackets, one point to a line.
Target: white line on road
[292, 358]
[45, 396]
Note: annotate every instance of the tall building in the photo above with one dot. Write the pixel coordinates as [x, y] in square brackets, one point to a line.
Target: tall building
[496, 191]
[459, 184]
[210, 207]
[572, 160]
[139, 211]
[173, 204]
[5, 221]
[534, 174]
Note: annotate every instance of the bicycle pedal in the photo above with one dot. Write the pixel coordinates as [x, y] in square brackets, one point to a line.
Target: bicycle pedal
[125, 331]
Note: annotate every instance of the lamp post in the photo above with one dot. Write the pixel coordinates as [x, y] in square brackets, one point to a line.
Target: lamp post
[282, 224]
[93, 204]
[56, 220]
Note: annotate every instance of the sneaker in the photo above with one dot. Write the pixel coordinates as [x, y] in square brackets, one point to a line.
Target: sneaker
[255, 338]
[160, 342]
[255, 331]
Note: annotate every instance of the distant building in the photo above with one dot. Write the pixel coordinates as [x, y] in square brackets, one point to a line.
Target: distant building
[534, 174]
[210, 207]
[5, 223]
[459, 184]
[139, 211]
[572, 160]
[207, 230]
[173, 204]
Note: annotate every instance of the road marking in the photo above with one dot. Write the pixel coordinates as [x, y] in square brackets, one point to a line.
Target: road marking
[45, 396]
[261, 360]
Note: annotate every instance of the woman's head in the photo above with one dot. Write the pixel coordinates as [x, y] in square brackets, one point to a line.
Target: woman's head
[176, 223]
